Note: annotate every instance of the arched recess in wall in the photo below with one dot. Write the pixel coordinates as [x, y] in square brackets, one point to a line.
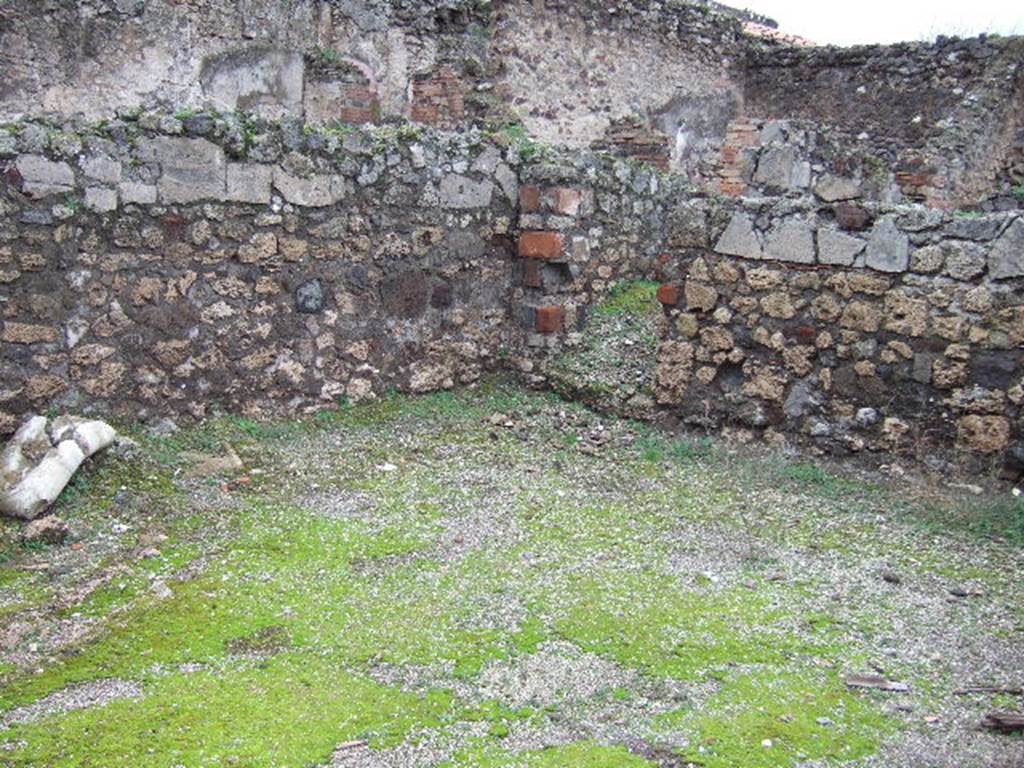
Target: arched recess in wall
[340, 88]
[259, 79]
[696, 126]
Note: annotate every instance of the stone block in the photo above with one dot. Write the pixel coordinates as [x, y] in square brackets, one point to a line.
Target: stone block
[700, 296]
[249, 182]
[25, 333]
[851, 217]
[566, 202]
[100, 199]
[791, 240]
[837, 248]
[832, 189]
[315, 191]
[41, 177]
[1006, 259]
[982, 229]
[740, 239]
[309, 297]
[191, 169]
[134, 192]
[984, 434]
[102, 168]
[462, 192]
[888, 248]
[781, 168]
[964, 261]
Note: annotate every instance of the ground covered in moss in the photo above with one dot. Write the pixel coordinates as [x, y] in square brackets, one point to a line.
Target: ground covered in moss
[499, 578]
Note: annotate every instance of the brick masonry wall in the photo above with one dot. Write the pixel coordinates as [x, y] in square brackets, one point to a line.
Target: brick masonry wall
[145, 269]
[849, 327]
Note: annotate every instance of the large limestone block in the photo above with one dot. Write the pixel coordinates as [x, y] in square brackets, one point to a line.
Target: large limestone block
[791, 240]
[1006, 259]
[462, 192]
[41, 459]
[313, 191]
[191, 169]
[740, 239]
[888, 247]
[42, 177]
[782, 168]
[837, 248]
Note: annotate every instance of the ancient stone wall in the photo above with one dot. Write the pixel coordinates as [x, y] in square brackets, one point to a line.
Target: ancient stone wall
[851, 327]
[265, 205]
[657, 81]
[943, 117]
[157, 266]
[666, 77]
[448, 64]
[288, 58]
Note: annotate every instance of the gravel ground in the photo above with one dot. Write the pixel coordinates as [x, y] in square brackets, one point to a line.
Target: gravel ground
[550, 583]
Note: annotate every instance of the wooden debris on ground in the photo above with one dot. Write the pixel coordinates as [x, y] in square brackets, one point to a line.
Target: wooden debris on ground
[1004, 722]
[876, 682]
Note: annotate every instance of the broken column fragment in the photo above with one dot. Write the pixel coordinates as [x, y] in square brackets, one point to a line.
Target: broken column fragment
[41, 459]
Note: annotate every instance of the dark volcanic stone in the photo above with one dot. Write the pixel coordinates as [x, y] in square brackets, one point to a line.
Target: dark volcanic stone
[442, 297]
[309, 297]
[852, 218]
[406, 295]
[994, 370]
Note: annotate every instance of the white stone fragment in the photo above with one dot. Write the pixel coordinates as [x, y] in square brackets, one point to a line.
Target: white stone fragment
[41, 459]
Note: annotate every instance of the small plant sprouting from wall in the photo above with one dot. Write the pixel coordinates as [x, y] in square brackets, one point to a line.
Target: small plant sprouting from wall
[635, 298]
[325, 57]
[528, 148]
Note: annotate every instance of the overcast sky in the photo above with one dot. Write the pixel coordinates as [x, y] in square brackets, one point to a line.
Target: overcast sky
[887, 21]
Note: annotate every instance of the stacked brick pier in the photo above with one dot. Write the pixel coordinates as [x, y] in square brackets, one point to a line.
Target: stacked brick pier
[549, 245]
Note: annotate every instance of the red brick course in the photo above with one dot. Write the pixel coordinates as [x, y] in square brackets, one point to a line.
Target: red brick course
[550, 319]
[541, 245]
[669, 295]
